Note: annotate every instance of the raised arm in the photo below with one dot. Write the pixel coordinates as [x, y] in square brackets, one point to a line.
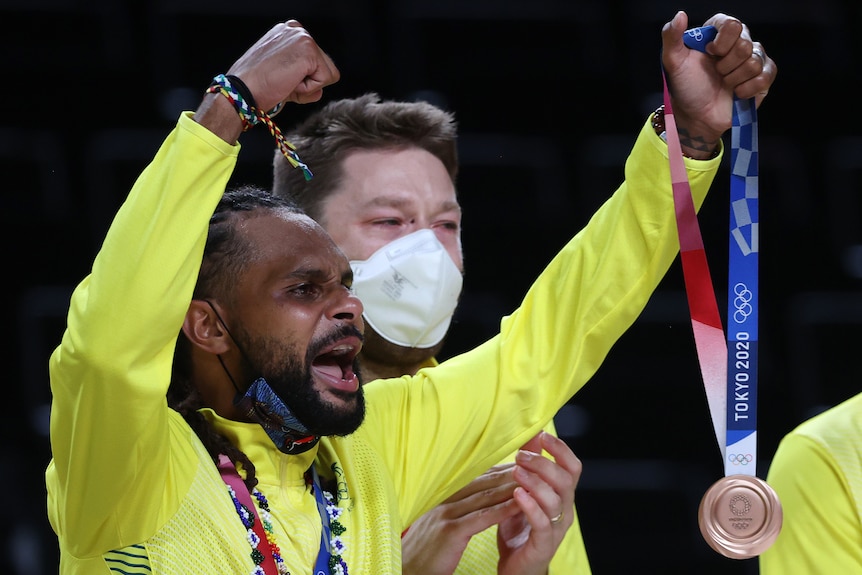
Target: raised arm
[115, 443]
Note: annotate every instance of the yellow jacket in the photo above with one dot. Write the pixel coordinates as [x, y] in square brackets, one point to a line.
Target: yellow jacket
[131, 485]
[817, 474]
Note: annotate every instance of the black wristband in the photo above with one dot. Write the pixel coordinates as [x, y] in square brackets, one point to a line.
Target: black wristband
[243, 90]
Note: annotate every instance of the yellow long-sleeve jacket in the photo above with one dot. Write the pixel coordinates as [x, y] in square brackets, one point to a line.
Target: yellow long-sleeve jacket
[131, 488]
[817, 474]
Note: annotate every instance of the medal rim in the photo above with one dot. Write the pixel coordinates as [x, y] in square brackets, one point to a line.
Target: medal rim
[713, 530]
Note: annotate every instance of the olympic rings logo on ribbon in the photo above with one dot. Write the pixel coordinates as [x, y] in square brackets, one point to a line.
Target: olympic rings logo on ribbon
[739, 458]
[742, 302]
[696, 33]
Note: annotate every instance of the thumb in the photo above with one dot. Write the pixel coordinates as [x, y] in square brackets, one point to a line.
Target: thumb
[673, 47]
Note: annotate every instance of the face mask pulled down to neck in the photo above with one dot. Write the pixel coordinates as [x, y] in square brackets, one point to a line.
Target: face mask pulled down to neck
[409, 288]
[261, 404]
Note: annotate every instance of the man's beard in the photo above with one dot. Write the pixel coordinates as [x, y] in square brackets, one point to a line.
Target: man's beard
[291, 379]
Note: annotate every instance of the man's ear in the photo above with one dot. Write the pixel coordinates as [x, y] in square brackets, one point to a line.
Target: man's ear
[203, 328]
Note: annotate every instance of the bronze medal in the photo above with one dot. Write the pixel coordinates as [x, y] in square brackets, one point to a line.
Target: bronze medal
[740, 516]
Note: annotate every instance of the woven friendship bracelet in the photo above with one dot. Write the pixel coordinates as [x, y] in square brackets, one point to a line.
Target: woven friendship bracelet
[241, 98]
[287, 149]
[236, 91]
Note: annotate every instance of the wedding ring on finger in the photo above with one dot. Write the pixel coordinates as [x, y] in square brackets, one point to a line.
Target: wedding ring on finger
[557, 519]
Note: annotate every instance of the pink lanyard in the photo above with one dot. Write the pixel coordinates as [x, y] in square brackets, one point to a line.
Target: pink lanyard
[262, 552]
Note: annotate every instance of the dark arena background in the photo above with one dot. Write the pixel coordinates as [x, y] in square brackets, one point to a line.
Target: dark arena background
[549, 95]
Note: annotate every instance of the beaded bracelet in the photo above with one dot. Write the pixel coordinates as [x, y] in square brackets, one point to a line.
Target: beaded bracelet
[241, 98]
[661, 132]
[658, 123]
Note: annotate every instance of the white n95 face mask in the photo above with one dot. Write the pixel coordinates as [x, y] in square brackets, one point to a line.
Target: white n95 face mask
[409, 289]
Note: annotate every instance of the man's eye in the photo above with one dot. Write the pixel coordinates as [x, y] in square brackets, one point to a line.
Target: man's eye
[304, 289]
[388, 222]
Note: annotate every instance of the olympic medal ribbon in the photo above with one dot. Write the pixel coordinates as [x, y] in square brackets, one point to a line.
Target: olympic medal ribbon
[740, 515]
[742, 293]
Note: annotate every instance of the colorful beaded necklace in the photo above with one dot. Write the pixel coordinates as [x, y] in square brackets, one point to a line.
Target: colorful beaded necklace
[247, 517]
[332, 545]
